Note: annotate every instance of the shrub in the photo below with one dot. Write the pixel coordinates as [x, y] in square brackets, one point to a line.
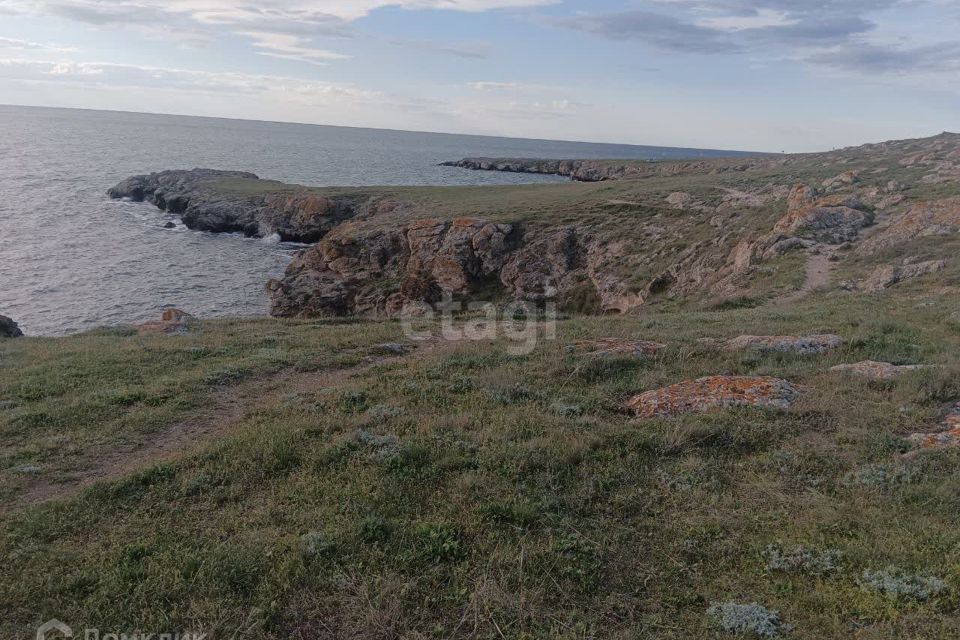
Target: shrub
[747, 619]
[897, 584]
[801, 560]
[315, 544]
[880, 476]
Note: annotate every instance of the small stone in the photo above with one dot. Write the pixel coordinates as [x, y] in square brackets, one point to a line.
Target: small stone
[391, 348]
[172, 322]
[28, 469]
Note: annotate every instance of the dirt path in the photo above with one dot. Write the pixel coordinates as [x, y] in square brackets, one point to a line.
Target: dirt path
[227, 409]
[818, 270]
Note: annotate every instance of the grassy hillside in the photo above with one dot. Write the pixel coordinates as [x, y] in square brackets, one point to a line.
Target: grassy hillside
[459, 491]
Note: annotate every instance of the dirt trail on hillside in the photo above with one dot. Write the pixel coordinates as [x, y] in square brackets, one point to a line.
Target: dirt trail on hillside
[818, 270]
[227, 408]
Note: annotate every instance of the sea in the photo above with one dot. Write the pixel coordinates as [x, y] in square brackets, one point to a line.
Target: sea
[71, 259]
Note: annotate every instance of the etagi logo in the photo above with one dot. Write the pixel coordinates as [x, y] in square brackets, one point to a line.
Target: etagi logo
[54, 630]
[49, 630]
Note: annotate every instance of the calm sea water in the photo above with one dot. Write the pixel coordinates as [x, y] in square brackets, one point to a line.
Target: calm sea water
[71, 259]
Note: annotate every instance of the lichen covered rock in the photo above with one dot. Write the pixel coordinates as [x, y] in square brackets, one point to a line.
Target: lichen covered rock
[172, 322]
[878, 370]
[886, 277]
[948, 436]
[716, 392]
[619, 347]
[804, 345]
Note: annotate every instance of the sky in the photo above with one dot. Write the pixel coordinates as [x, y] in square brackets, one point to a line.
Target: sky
[762, 75]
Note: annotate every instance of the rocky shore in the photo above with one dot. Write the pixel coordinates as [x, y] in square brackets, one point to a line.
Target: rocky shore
[680, 232]
[205, 202]
[601, 170]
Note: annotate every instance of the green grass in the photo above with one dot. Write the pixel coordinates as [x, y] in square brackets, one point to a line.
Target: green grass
[476, 509]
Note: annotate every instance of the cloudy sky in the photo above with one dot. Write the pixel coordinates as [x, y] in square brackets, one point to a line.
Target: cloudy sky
[771, 75]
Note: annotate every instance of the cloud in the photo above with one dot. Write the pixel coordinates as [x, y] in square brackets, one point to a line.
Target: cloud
[939, 58]
[835, 34]
[475, 51]
[290, 47]
[659, 30]
[25, 45]
[280, 28]
[493, 86]
[146, 77]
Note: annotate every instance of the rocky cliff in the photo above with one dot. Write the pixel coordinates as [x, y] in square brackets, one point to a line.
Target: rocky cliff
[202, 199]
[755, 228]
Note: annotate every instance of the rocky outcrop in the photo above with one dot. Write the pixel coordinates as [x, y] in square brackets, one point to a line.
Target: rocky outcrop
[878, 370]
[927, 219]
[811, 220]
[947, 437]
[173, 322]
[618, 347]
[717, 392]
[888, 276]
[601, 170]
[805, 345]
[364, 267]
[9, 328]
[830, 220]
[205, 201]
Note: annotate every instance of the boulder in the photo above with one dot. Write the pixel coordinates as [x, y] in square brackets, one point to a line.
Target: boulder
[947, 437]
[9, 328]
[804, 345]
[717, 392]
[172, 322]
[845, 179]
[878, 370]
[619, 347]
[886, 277]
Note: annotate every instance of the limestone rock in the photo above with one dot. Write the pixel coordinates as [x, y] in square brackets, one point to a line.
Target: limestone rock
[832, 220]
[878, 370]
[927, 219]
[9, 328]
[948, 436]
[804, 345]
[619, 347]
[717, 392]
[172, 322]
[886, 277]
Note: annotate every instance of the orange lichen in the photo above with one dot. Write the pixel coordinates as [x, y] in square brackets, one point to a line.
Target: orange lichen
[715, 392]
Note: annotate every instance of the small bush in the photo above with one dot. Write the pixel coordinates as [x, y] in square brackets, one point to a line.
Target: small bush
[437, 543]
[374, 529]
[747, 619]
[882, 476]
[801, 560]
[567, 410]
[523, 516]
[517, 394]
[898, 585]
[354, 402]
[316, 545]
